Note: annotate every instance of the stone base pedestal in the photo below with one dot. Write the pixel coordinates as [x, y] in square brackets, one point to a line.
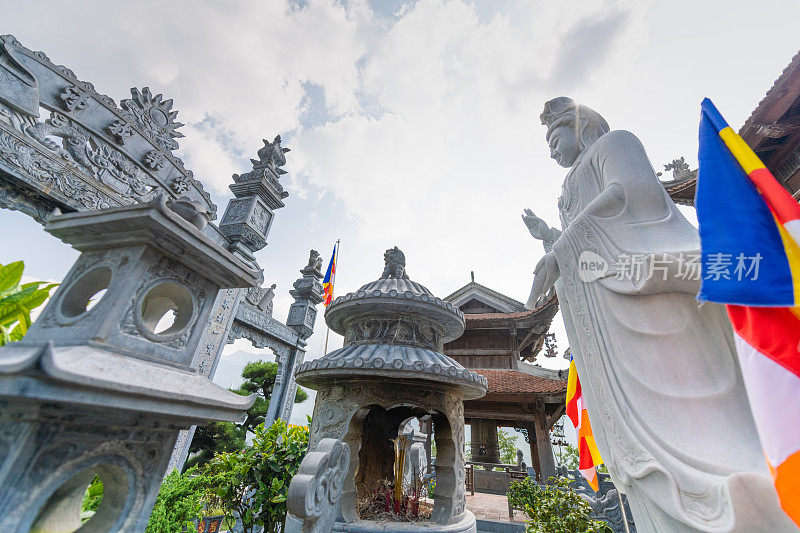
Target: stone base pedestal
[465, 525]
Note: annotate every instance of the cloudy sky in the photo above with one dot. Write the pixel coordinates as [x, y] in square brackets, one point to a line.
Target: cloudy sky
[411, 123]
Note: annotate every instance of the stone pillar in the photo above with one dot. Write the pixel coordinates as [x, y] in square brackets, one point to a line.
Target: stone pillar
[547, 461]
[248, 218]
[484, 446]
[105, 390]
[307, 293]
[246, 224]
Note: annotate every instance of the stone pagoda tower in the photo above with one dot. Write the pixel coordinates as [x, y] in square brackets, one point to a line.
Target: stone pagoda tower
[390, 370]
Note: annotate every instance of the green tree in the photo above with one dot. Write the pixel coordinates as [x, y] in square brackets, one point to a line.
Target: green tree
[17, 301]
[92, 499]
[217, 437]
[553, 508]
[508, 447]
[569, 458]
[214, 437]
[259, 378]
[267, 466]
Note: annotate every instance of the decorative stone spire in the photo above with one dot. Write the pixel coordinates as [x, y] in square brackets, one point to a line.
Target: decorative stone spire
[307, 293]
[259, 193]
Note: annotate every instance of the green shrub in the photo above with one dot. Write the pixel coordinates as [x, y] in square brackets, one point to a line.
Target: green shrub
[17, 301]
[179, 503]
[553, 508]
[92, 499]
[252, 483]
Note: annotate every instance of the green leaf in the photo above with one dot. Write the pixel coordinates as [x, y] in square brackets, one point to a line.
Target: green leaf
[10, 275]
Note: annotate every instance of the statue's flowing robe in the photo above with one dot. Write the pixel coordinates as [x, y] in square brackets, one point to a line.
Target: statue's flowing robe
[659, 372]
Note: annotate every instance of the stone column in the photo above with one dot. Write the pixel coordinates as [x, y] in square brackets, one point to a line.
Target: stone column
[307, 293]
[484, 446]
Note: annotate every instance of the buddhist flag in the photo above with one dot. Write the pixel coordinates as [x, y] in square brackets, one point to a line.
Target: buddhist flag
[588, 454]
[749, 234]
[330, 278]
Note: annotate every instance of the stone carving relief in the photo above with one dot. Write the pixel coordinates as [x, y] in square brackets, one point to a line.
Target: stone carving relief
[165, 270]
[261, 298]
[393, 331]
[100, 142]
[154, 116]
[317, 488]
[104, 163]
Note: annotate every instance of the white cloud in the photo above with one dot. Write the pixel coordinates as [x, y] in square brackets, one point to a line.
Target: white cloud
[419, 129]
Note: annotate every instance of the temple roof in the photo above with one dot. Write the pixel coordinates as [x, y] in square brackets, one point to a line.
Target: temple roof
[772, 131]
[545, 310]
[491, 300]
[516, 382]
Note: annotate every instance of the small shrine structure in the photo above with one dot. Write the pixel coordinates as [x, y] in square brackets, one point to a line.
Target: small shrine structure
[501, 341]
[390, 370]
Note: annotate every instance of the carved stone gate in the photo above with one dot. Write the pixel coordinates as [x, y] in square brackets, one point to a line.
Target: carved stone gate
[64, 145]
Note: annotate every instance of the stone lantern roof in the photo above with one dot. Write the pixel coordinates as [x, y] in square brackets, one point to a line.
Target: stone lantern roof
[396, 328]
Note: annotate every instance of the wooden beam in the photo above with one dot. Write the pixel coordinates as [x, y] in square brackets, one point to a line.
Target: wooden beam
[553, 418]
[477, 351]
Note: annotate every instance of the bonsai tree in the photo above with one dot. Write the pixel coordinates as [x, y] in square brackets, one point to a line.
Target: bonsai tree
[217, 437]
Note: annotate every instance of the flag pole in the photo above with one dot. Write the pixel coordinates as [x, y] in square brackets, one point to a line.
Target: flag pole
[333, 288]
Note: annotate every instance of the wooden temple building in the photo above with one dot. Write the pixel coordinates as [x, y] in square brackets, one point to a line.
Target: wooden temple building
[772, 131]
[501, 341]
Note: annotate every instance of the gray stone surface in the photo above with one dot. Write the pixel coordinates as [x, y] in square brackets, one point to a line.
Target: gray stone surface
[660, 378]
[64, 145]
[103, 389]
[317, 487]
[108, 155]
[389, 371]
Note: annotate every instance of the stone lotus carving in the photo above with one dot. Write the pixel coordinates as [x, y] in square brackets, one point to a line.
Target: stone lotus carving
[154, 116]
[317, 488]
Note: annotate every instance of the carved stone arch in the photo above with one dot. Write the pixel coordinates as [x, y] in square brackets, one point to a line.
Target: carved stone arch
[63, 144]
[124, 472]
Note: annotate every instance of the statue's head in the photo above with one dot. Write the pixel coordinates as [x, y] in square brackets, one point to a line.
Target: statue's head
[571, 128]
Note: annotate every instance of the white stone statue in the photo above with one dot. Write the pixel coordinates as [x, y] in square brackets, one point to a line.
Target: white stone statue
[664, 391]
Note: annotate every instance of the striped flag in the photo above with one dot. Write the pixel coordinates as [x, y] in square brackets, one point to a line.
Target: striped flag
[749, 233]
[588, 454]
[330, 279]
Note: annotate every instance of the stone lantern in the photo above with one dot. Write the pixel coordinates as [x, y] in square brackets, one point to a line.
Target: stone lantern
[391, 370]
[104, 389]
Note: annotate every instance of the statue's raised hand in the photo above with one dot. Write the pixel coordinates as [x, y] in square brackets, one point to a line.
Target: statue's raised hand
[538, 227]
[545, 276]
